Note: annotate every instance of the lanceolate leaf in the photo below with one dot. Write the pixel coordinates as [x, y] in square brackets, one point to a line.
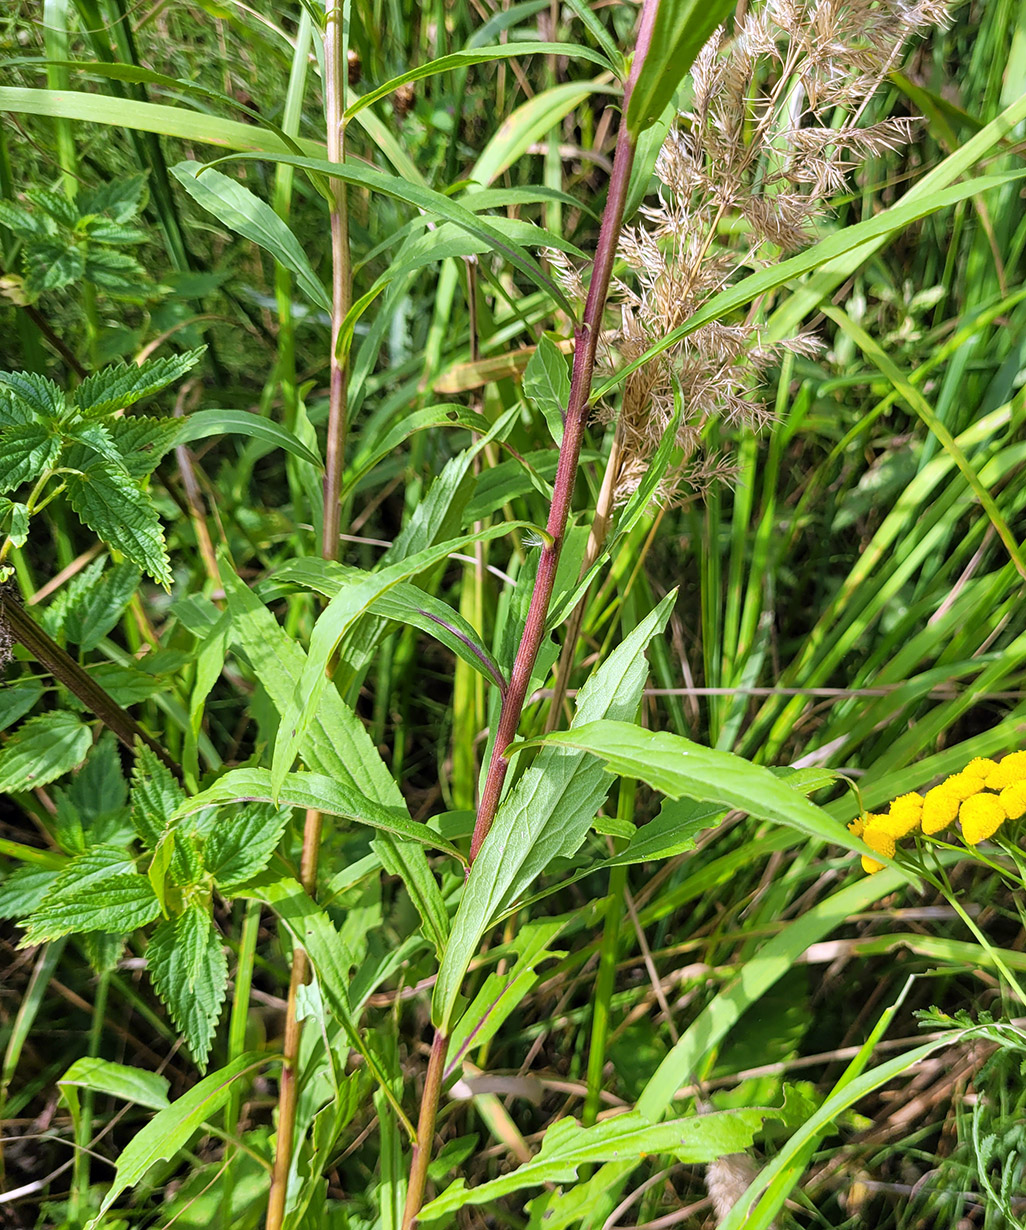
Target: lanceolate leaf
[170, 1129]
[547, 384]
[315, 790]
[546, 815]
[43, 749]
[206, 423]
[680, 31]
[568, 1146]
[236, 207]
[187, 965]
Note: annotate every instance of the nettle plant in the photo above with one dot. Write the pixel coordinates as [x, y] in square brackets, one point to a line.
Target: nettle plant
[753, 148]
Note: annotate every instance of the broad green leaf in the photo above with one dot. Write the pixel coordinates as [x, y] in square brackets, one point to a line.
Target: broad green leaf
[567, 1146]
[97, 891]
[205, 423]
[24, 223]
[155, 796]
[340, 615]
[17, 698]
[32, 395]
[674, 830]
[318, 791]
[22, 891]
[95, 611]
[478, 55]
[171, 1128]
[142, 441]
[242, 844]
[26, 451]
[115, 388]
[60, 207]
[242, 211]
[50, 265]
[881, 226]
[679, 768]
[119, 512]
[44, 748]
[680, 31]
[546, 815]
[187, 966]
[121, 198]
[547, 384]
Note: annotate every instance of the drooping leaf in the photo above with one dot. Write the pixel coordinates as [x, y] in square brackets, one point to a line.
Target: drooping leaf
[115, 388]
[26, 451]
[96, 610]
[314, 790]
[43, 749]
[170, 1129]
[117, 1080]
[22, 891]
[187, 966]
[206, 423]
[242, 844]
[245, 213]
[567, 1146]
[119, 512]
[97, 891]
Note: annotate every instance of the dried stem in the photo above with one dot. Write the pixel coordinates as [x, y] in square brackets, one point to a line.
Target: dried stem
[335, 70]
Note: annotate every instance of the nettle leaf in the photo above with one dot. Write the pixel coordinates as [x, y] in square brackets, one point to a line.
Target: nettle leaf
[116, 509]
[242, 845]
[96, 438]
[117, 272]
[17, 698]
[25, 453]
[97, 607]
[547, 384]
[61, 208]
[52, 266]
[24, 224]
[124, 384]
[142, 442]
[104, 230]
[24, 889]
[33, 396]
[97, 891]
[187, 966]
[43, 749]
[122, 199]
[155, 796]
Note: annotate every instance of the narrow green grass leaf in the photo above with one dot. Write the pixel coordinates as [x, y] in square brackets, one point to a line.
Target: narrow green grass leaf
[202, 424]
[478, 55]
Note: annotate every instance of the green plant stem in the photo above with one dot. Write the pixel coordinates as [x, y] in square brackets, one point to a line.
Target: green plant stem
[335, 70]
[24, 629]
[237, 1039]
[586, 337]
[80, 1182]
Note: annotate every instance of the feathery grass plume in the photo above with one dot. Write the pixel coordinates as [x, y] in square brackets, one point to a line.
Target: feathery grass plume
[775, 126]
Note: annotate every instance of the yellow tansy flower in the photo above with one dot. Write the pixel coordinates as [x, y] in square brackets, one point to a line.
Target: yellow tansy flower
[940, 807]
[1013, 800]
[981, 817]
[902, 817]
[964, 786]
[856, 826]
[1011, 770]
[878, 840]
[981, 766]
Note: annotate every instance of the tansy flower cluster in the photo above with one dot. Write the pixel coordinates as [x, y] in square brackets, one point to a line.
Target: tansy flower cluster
[982, 797]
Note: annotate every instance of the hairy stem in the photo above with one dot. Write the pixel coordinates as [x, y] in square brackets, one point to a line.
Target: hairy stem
[586, 339]
[335, 69]
[425, 1130]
